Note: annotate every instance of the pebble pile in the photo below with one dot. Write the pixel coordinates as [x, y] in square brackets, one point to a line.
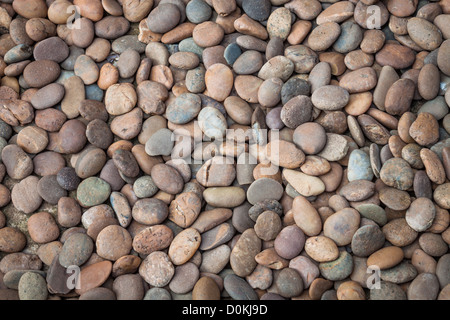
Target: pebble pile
[121, 161]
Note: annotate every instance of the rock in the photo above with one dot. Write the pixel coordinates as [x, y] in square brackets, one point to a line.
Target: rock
[32, 286]
[321, 249]
[12, 240]
[306, 216]
[238, 288]
[93, 191]
[366, 240]
[76, 250]
[42, 227]
[242, 255]
[184, 246]
[386, 258]
[113, 242]
[424, 287]
[338, 269]
[157, 269]
[397, 173]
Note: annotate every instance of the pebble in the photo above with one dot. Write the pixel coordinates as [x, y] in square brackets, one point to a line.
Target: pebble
[157, 269]
[366, 240]
[424, 130]
[306, 216]
[386, 258]
[424, 287]
[198, 11]
[93, 191]
[32, 286]
[238, 288]
[397, 173]
[42, 227]
[338, 269]
[297, 111]
[359, 167]
[76, 250]
[93, 276]
[25, 196]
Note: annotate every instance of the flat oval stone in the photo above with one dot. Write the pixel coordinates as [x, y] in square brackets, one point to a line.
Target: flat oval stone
[184, 246]
[212, 122]
[150, 211]
[359, 166]
[157, 269]
[198, 11]
[160, 143]
[153, 238]
[386, 258]
[358, 190]
[338, 269]
[206, 289]
[289, 242]
[306, 216]
[94, 276]
[441, 194]
[341, 226]
[219, 81]
[243, 253]
[321, 249]
[424, 287]
[238, 288]
[330, 98]
[120, 98]
[420, 214]
[32, 286]
[279, 23]
[42, 227]
[217, 236]
[184, 109]
[185, 278]
[126, 163]
[297, 111]
[25, 196]
[387, 291]
[373, 212]
[93, 191]
[90, 162]
[399, 233]
[323, 36]
[277, 67]
[397, 173]
[264, 188]
[395, 55]
[163, 18]
[48, 96]
[113, 242]
[76, 250]
[401, 273]
[424, 33]
[52, 48]
[366, 240]
[167, 178]
[225, 197]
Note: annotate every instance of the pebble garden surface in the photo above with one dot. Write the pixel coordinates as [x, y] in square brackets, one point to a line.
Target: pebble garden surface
[224, 149]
